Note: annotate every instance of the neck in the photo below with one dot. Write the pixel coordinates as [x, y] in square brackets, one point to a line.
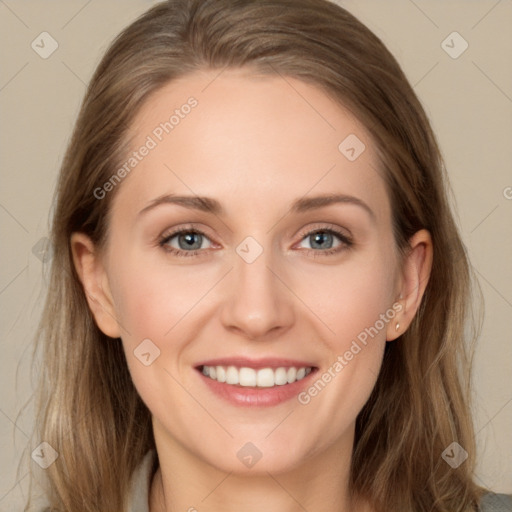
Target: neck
[184, 482]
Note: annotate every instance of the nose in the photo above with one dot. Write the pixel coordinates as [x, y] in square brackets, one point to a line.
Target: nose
[258, 303]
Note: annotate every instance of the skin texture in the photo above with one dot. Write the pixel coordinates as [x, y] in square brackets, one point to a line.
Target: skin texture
[255, 144]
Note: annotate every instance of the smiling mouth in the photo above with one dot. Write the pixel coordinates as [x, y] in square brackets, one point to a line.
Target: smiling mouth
[256, 378]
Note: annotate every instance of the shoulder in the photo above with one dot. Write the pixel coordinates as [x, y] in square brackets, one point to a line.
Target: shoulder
[496, 503]
[138, 499]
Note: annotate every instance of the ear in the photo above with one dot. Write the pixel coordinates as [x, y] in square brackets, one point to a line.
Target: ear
[415, 274]
[93, 276]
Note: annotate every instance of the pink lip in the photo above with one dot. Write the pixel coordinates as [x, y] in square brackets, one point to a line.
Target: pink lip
[253, 396]
[266, 362]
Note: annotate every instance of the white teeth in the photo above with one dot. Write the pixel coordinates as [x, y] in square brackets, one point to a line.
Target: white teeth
[232, 375]
[291, 375]
[262, 378]
[265, 378]
[280, 376]
[247, 377]
[221, 374]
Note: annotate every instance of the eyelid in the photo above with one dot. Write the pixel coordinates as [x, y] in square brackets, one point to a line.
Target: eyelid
[197, 227]
[325, 226]
[187, 228]
[346, 240]
[344, 235]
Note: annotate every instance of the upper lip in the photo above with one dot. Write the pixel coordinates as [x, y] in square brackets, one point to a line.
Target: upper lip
[266, 362]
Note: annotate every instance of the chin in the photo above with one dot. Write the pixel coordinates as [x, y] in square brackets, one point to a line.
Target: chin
[255, 458]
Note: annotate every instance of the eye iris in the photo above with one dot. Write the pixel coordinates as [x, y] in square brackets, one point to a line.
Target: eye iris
[320, 237]
[189, 241]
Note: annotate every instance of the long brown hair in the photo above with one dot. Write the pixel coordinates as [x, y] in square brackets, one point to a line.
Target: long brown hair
[90, 412]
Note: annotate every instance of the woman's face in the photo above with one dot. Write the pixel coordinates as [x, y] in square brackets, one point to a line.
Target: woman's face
[265, 276]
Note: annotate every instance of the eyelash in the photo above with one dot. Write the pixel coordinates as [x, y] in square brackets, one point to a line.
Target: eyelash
[346, 242]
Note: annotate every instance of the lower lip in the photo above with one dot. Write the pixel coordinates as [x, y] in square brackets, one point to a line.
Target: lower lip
[256, 397]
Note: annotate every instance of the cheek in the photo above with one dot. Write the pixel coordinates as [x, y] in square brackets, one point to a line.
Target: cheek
[151, 299]
[358, 310]
[351, 299]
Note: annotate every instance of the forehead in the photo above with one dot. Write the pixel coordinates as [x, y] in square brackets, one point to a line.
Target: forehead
[248, 138]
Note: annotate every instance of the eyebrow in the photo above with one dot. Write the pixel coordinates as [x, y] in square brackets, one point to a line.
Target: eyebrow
[304, 204]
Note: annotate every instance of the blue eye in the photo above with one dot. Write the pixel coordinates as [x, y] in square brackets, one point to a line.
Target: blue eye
[324, 240]
[189, 242]
[319, 239]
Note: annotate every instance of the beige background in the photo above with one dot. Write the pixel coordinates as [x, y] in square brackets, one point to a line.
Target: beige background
[469, 100]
